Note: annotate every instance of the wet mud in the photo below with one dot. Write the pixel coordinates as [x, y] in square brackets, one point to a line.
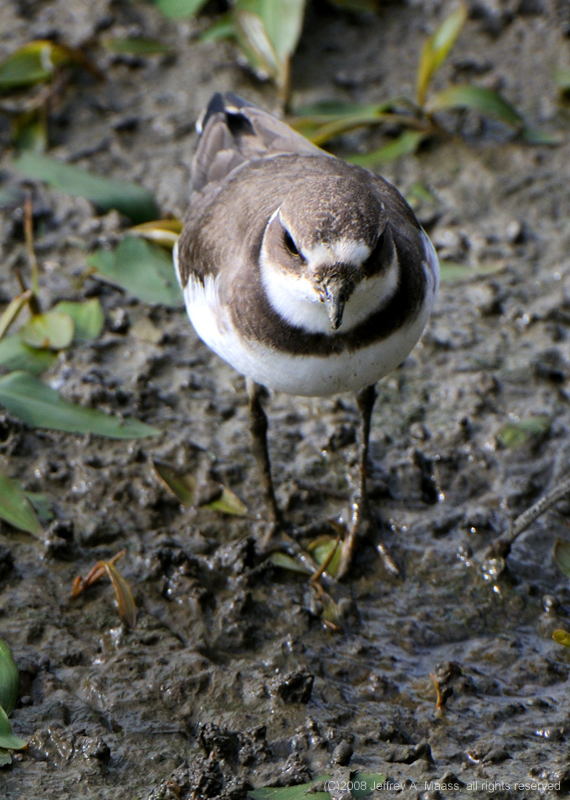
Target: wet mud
[230, 680]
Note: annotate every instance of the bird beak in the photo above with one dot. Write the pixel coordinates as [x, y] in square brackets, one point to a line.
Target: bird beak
[334, 295]
[334, 303]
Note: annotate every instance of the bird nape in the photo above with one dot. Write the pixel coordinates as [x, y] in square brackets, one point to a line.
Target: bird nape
[306, 274]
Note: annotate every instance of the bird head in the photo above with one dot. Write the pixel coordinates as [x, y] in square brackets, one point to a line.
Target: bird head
[317, 251]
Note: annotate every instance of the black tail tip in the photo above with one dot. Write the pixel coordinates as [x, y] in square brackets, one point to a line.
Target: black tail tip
[226, 103]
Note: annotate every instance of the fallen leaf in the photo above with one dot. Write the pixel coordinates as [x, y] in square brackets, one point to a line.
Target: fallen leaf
[143, 269]
[15, 507]
[132, 200]
[88, 317]
[50, 331]
[41, 407]
[9, 679]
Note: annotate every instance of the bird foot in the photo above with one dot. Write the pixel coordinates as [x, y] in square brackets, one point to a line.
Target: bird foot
[361, 526]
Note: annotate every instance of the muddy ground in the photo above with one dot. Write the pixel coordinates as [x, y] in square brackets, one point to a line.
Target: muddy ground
[230, 681]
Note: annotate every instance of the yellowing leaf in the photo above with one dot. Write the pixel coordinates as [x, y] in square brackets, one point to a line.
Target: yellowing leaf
[33, 63]
[125, 600]
[437, 47]
[228, 503]
[164, 232]
[562, 637]
[12, 311]
[50, 331]
[515, 434]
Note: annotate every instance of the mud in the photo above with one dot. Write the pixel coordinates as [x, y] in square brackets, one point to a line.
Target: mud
[230, 681]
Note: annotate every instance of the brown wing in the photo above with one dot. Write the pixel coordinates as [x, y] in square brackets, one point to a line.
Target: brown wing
[233, 132]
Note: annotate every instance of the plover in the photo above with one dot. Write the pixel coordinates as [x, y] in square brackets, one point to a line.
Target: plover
[306, 274]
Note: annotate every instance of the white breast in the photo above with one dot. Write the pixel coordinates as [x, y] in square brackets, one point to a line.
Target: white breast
[304, 375]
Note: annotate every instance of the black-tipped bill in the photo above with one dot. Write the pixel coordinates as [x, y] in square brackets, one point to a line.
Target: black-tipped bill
[335, 303]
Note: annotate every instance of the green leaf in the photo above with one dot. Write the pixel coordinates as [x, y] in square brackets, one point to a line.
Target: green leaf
[477, 98]
[88, 317]
[42, 506]
[9, 679]
[125, 600]
[562, 556]
[7, 738]
[183, 487]
[301, 792]
[181, 484]
[323, 121]
[282, 21]
[437, 47]
[562, 637]
[15, 355]
[222, 28]
[534, 136]
[132, 200]
[515, 434]
[321, 550]
[286, 561]
[364, 6]
[137, 46]
[256, 44]
[29, 131]
[5, 758]
[268, 32]
[11, 197]
[180, 9]
[450, 271]
[15, 507]
[562, 79]
[50, 331]
[405, 145]
[33, 63]
[41, 407]
[228, 503]
[143, 269]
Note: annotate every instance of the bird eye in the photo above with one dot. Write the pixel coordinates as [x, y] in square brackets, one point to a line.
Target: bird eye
[290, 244]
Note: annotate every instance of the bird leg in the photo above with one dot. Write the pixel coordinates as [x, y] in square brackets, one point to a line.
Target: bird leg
[360, 512]
[258, 429]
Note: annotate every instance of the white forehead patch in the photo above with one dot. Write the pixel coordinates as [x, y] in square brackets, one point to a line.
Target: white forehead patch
[344, 251]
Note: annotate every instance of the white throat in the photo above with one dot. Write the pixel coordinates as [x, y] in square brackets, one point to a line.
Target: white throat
[296, 301]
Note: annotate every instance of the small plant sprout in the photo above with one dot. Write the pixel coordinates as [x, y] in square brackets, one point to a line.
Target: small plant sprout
[125, 600]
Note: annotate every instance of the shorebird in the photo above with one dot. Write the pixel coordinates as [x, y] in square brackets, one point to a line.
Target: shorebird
[306, 274]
